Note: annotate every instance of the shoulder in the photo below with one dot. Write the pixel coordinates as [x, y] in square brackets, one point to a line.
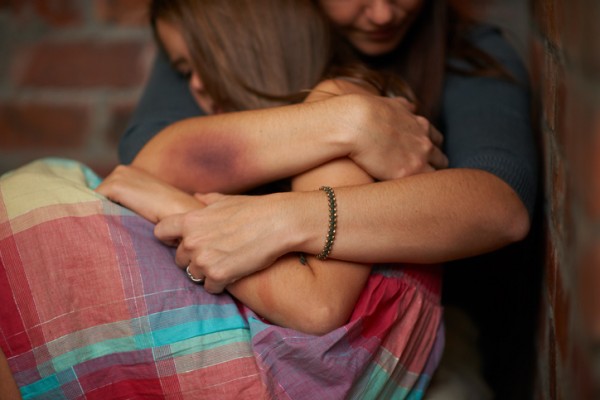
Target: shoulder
[492, 40]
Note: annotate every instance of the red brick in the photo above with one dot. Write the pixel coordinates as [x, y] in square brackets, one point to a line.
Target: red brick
[559, 196]
[60, 13]
[38, 125]
[581, 372]
[82, 64]
[537, 58]
[560, 100]
[545, 15]
[545, 361]
[552, 363]
[549, 75]
[591, 186]
[588, 272]
[581, 31]
[122, 12]
[562, 319]
[14, 6]
[551, 271]
[582, 122]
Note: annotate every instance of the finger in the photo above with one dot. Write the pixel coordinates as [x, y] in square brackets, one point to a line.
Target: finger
[213, 287]
[437, 159]
[407, 103]
[183, 258]
[436, 136]
[170, 229]
[209, 198]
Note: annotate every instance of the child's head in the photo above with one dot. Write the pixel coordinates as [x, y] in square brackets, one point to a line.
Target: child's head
[244, 54]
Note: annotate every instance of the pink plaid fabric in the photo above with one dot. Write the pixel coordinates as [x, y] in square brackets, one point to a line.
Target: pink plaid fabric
[93, 307]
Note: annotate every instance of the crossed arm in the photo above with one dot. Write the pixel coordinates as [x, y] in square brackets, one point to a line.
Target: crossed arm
[315, 297]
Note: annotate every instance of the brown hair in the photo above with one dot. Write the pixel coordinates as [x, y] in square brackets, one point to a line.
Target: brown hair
[251, 53]
[440, 30]
[261, 53]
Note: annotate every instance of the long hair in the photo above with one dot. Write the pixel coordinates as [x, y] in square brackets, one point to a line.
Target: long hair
[440, 31]
[251, 53]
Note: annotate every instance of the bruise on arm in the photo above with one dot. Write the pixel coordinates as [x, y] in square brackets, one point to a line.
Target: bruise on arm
[212, 162]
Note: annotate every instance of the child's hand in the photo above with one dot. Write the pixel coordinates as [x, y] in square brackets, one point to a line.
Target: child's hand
[146, 195]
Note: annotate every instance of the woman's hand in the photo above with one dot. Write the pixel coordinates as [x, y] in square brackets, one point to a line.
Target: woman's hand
[146, 195]
[389, 141]
[227, 240]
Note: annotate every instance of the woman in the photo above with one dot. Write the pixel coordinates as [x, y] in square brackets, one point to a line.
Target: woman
[469, 82]
[393, 334]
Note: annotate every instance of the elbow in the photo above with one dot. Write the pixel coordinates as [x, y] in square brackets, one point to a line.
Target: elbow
[322, 319]
[507, 214]
[521, 228]
[515, 222]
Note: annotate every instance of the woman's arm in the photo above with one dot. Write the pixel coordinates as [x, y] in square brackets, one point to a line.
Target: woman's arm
[235, 151]
[315, 297]
[319, 296]
[485, 202]
[324, 293]
[428, 218]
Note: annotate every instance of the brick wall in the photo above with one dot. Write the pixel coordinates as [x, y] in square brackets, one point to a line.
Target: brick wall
[72, 70]
[70, 74]
[566, 59]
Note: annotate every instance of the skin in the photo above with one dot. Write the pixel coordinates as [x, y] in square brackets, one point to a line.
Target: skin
[179, 56]
[8, 387]
[233, 153]
[314, 298]
[452, 214]
[374, 27]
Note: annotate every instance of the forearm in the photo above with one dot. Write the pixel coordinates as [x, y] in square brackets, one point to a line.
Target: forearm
[315, 298]
[427, 218]
[233, 152]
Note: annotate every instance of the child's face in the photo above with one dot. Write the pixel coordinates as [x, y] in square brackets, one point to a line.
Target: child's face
[179, 55]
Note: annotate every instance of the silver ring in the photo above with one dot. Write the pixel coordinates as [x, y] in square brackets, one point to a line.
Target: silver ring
[192, 277]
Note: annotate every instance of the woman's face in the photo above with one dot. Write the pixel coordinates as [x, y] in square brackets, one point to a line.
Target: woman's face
[373, 27]
[180, 58]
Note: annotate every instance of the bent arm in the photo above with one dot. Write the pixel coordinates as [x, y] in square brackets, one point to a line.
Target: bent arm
[427, 218]
[232, 152]
[315, 297]
[484, 201]
[323, 293]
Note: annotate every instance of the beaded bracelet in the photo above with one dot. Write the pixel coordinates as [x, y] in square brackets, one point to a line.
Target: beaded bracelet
[332, 223]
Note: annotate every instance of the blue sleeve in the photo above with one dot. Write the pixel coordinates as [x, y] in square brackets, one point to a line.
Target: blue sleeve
[487, 121]
[166, 99]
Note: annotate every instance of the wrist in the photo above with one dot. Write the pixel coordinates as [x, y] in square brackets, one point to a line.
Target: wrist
[344, 132]
[300, 224]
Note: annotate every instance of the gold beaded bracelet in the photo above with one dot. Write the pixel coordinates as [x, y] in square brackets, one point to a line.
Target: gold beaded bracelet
[332, 223]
